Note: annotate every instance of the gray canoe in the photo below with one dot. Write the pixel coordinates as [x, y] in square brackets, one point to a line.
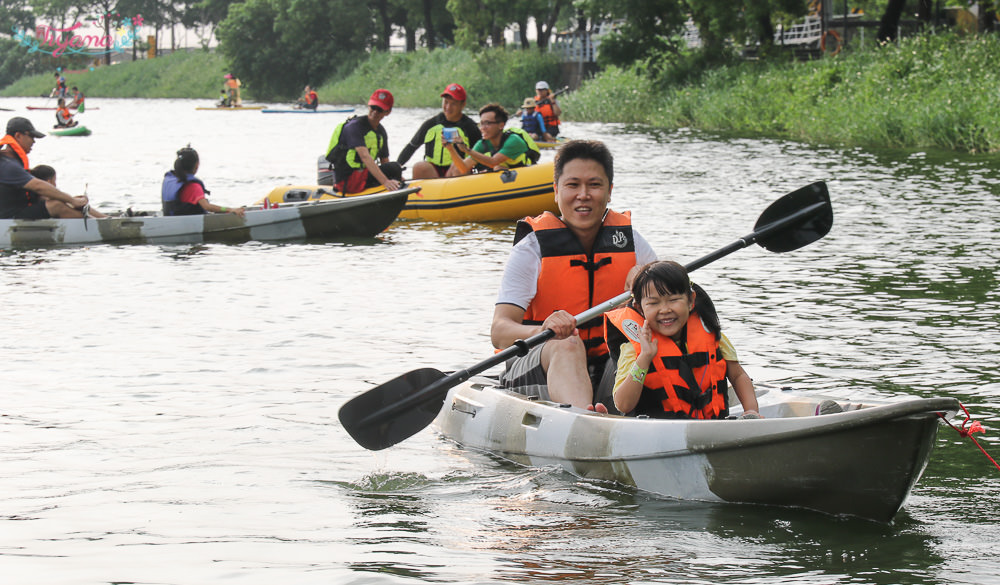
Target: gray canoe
[352, 217]
[861, 462]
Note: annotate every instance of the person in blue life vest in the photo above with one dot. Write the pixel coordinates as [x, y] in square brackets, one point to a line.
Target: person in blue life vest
[499, 149]
[672, 359]
[24, 196]
[357, 143]
[182, 193]
[450, 124]
[533, 123]
[562, 265]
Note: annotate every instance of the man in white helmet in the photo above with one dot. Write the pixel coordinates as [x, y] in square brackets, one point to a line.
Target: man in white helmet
[546, 105]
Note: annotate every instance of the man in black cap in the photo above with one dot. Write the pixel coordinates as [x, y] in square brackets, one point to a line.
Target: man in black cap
[23, 196]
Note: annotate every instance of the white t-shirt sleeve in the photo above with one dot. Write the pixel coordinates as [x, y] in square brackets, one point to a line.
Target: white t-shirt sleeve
[520, 276]
[644, 253]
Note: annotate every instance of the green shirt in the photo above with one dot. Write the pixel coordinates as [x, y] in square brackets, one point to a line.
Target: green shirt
[513, 148]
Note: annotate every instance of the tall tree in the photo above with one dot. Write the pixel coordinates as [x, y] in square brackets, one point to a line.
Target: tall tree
[649, 32]
[277, 46]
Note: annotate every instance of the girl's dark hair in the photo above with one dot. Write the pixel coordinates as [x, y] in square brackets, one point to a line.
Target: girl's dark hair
[43, 172]
[671, 278]
[186, 161]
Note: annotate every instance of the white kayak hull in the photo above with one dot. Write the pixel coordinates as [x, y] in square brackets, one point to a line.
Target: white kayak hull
[862, 462]
[355, 217]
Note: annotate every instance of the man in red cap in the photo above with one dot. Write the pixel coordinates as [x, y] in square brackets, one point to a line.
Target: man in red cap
[437, 159]
[357, 143]
[23, 196]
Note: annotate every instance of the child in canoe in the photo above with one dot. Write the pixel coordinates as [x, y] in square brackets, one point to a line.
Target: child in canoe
[673, 361]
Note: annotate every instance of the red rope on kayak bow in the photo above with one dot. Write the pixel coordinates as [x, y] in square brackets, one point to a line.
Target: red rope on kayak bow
[975, 427]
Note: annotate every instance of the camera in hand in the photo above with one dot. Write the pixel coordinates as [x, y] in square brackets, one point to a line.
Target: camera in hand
[451, 135]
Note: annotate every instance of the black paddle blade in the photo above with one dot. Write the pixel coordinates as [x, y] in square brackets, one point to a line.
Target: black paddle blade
[362, 416]
[801, 233]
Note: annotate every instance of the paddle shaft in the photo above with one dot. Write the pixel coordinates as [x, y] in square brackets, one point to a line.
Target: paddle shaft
[521, 346]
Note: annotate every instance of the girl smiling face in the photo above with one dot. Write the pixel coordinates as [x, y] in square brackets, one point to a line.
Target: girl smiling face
[666, 313]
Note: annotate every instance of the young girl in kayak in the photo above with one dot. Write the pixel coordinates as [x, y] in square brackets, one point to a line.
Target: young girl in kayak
[673, 361]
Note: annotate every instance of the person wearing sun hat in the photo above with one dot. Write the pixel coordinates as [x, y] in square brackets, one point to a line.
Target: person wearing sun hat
[548, 107]
[22, 195]
[437, 159]
[532, 122]
[357, 143]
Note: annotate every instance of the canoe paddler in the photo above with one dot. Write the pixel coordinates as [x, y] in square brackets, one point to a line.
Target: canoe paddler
[499, 149]
[357, 143]
[23, 196]
[64, 118]
[448, 125]
[561, 266]
[182, 193]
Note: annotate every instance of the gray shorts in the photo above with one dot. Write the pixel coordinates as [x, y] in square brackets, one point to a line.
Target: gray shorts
[525, 375]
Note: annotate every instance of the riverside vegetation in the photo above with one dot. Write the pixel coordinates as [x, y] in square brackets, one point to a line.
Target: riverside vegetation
[928, 91]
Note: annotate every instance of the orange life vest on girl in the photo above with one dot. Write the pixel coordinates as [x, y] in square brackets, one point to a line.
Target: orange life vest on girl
[571, 280]
[689, 384]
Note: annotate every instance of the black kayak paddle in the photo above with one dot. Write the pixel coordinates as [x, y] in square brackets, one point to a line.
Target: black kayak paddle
[398, 409]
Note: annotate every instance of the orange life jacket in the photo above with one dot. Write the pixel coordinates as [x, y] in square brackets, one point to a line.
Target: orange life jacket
[546, 111]
[689, 384]
[571, 280]
[9, 141]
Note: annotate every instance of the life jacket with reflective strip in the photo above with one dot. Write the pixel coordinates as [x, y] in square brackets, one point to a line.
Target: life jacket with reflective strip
[170, 195]
[573, 281]
[680, 384]
[346, 159]
[546, 111]
[434, 150]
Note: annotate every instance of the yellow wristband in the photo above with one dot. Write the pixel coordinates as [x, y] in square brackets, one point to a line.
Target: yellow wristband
[224, 209]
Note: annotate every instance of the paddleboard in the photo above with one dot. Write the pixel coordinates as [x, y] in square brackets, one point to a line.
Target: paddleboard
[55, 108]
[304, 111]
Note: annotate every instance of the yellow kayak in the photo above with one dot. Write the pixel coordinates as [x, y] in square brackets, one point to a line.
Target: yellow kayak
[497, 196]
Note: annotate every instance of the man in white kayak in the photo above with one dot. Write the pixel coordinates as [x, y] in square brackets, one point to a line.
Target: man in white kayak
[562, 266]
[23, 196]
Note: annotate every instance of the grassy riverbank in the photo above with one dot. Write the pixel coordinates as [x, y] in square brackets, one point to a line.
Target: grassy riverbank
[936, 91]
[191, 75]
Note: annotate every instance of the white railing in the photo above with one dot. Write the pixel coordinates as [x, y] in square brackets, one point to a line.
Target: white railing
[804, 33]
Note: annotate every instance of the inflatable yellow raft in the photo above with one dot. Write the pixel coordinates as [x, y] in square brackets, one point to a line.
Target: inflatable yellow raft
[498, 196]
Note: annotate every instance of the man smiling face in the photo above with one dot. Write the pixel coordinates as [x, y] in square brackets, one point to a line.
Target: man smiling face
[582, 193]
